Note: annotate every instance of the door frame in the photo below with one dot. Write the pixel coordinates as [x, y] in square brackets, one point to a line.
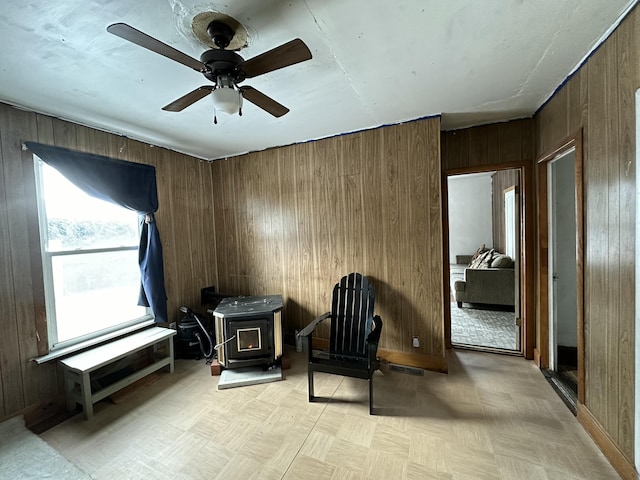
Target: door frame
[541, 354]
[517, 247]
[527, 215]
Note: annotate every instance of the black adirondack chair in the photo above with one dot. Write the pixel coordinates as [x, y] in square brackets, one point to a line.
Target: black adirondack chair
[355, 332]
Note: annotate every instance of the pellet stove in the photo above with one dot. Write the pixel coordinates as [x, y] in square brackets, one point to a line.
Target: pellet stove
[249, 331]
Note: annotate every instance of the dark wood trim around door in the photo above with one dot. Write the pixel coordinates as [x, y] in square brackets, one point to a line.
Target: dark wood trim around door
[527, 237]
[573, 142]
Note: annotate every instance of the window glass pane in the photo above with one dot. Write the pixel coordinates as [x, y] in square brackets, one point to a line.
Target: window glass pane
[77, 220]
[88, 293]
[95, 291]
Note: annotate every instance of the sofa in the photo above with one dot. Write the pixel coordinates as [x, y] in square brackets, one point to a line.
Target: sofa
[491, 282]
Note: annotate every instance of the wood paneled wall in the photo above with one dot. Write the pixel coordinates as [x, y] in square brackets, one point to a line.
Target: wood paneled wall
[289, 220]
[495, 147]
[185, 221]
[293, 220]
[599, 99]
[487, 145]
[500, 181]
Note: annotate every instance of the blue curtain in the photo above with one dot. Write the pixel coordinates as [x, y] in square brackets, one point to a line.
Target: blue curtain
[130, 185]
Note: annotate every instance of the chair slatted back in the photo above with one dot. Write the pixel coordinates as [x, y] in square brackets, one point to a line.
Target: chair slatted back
[351, 315]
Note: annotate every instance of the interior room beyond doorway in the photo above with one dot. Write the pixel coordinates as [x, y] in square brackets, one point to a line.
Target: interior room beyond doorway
[484, 234]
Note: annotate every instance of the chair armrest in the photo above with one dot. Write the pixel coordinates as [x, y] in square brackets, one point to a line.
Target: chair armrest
[308, 330]
[374, 336]
[372, 343]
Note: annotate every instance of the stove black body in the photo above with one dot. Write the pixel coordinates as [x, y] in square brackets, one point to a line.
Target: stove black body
[249, 331]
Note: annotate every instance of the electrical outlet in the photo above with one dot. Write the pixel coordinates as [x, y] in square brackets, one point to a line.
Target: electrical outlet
[416, 342]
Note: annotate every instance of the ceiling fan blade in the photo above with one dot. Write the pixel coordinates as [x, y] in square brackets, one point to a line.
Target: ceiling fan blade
[289, 53]
[188, 99]
[259, 99]
[132, 35]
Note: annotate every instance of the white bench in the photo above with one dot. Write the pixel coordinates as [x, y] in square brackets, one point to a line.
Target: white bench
[78, 368]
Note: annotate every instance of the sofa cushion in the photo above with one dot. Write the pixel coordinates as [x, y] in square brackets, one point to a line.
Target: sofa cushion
[494, 286]
[501, 261]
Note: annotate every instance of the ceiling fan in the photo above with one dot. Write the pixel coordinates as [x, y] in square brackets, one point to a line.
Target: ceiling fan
[225, 68]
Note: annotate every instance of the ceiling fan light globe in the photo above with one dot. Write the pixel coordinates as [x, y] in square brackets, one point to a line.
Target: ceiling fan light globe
[226, 100]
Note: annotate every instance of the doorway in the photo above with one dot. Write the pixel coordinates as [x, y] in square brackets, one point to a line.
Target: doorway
[484, 219]
[563, 321]
[561, 354]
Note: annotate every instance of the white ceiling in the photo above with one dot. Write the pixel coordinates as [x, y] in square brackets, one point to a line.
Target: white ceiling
[374, 63]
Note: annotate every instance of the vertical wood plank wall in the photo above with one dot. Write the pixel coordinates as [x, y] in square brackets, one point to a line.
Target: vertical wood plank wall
[293, 220]
[500, 145]
[185, 221]
[500, 181]
[495, 144]
[290, 221]
[600, 100]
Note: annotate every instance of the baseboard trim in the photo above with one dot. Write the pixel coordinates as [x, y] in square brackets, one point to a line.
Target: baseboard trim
[426, 362]
[606, 444]
[536, 357]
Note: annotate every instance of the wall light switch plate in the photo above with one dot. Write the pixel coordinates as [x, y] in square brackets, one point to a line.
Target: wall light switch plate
[416, 342]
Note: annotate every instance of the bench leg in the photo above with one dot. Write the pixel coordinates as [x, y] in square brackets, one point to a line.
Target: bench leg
[87, 404]
[171, 363]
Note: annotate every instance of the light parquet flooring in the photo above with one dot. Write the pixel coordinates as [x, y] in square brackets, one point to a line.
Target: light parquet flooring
[491, 417]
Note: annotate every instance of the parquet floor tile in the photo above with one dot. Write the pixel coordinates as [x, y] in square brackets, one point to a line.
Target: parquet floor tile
[490, 417]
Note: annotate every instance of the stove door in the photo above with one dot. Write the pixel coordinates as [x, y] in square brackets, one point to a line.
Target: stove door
[253, 338]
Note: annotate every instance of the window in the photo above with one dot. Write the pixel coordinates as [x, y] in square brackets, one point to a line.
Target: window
[90, 261]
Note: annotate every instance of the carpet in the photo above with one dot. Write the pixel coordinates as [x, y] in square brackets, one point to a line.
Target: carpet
[484, 328]
[24, 455]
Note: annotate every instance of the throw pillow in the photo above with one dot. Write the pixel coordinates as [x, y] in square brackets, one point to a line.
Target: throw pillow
[501, 261]
[477, 253]
[485, 259]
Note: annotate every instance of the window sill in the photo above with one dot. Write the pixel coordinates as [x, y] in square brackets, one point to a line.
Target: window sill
[90, 343]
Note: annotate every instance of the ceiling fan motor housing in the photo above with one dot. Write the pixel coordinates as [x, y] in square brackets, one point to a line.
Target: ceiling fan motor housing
[220, 33]
[222, 62]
